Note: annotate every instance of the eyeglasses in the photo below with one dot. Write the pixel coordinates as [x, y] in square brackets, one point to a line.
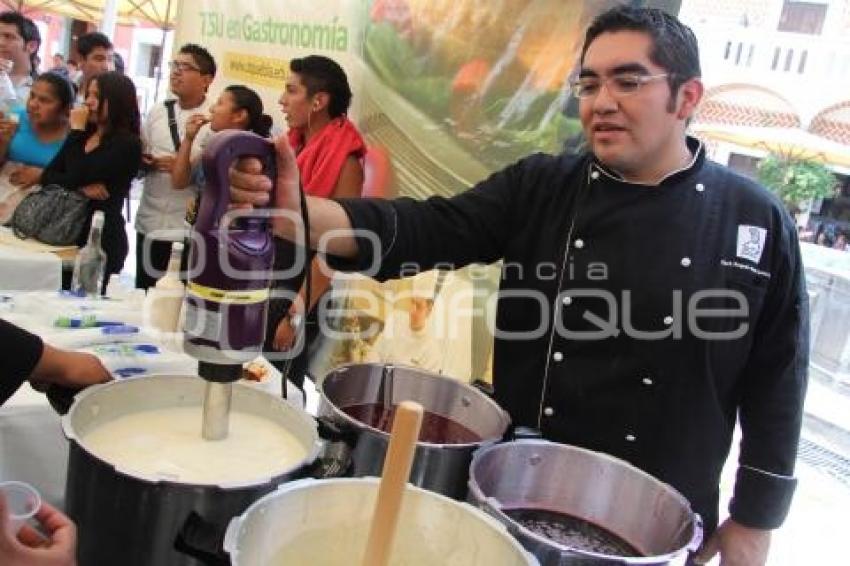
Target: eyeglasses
[182, 67]
[619, 85]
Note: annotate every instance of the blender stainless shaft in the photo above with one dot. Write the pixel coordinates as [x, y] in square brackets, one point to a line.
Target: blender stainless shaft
[216, 410]
[217, 394]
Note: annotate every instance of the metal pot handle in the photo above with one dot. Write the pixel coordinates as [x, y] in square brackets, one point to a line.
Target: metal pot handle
[202, 540]
[336, 460]
[525, 433]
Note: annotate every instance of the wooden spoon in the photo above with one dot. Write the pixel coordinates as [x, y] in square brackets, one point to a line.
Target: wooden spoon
[405, 433]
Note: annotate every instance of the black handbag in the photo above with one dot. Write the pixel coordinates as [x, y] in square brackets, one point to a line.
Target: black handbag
[53, 215]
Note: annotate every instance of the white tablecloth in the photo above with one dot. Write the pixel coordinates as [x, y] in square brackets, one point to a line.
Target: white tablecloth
[32, 446]
[29, 270]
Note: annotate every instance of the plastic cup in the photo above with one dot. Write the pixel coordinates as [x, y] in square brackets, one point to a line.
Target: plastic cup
[23, 502]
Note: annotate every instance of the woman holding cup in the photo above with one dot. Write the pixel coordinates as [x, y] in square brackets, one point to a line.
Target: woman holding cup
[101, 157]
[30, 140]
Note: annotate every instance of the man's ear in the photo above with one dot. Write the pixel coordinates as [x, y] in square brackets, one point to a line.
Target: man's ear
[690, 95]
[320, 101]
[32, 47]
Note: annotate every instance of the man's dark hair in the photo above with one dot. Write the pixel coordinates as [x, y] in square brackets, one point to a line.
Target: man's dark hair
[320, 74]
[91, 41]
[28, 31]
[674, 45]
[202, 57]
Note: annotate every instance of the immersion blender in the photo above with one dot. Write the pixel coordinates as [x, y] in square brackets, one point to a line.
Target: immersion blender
[227, 295]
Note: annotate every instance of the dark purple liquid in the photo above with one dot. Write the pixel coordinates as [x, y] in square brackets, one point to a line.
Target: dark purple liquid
[572, 532]
[435, 428]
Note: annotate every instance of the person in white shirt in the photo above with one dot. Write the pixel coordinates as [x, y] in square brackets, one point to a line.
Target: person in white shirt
[161, 213]
[19, 43]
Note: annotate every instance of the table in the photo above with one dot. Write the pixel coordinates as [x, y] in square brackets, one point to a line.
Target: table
[32, 446]
[31, 265]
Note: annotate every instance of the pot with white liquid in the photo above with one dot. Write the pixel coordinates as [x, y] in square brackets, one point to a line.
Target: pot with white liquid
[326, 523]
[143, 483]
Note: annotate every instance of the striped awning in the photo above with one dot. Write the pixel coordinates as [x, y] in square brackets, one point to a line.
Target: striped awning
[746, 105]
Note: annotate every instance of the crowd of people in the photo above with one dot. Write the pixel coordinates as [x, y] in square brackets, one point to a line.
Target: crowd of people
[643, 201]
[78, 126]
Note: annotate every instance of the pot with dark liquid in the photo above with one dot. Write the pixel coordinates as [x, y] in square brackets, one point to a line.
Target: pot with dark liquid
[458, 420]
[571, 506]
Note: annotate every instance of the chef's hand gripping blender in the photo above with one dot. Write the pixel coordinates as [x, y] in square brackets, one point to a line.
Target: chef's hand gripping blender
[229, 274]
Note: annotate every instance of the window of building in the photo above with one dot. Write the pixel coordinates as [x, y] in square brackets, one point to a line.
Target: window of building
[802, 17]
[147, 60]
[802, 66]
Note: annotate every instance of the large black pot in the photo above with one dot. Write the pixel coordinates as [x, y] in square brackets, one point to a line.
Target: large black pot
[129, 520]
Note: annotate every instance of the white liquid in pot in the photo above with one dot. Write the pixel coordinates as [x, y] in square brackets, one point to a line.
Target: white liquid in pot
[311, 548]
[167, 444]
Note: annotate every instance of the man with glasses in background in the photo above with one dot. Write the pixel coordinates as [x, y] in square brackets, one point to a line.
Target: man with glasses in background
[660, 296]
[162, 210]
[95, 51]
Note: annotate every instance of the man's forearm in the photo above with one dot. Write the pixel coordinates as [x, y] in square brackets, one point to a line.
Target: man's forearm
[330, 227]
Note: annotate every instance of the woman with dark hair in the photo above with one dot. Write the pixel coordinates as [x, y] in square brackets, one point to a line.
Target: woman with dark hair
[38, 133]
[237, 108]
[329, 151]
[30, 140]
[101, 157]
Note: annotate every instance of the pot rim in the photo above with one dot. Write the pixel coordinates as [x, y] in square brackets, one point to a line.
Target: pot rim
[494, 506]
[73, 438]
[338, 412]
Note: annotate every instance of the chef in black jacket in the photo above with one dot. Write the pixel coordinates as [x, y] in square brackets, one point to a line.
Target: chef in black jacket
[648, 296]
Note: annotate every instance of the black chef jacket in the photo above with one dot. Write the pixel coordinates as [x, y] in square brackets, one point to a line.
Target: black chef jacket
[609, 314]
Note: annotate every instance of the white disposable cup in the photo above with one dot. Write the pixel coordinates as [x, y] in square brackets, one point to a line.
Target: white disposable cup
[22, 501]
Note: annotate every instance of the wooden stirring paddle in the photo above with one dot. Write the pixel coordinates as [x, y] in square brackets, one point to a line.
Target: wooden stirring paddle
[405, 433]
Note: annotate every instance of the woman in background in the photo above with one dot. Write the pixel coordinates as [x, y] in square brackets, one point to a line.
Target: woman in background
[29, 141]
[329, 151]
[237, 108]
[101, 157]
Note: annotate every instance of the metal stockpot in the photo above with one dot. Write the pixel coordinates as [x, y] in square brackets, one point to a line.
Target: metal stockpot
[443, 468]
[534, 474]
[326, 523]
[131, 520]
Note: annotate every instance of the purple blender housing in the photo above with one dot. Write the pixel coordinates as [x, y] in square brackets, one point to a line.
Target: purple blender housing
[229, 266]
